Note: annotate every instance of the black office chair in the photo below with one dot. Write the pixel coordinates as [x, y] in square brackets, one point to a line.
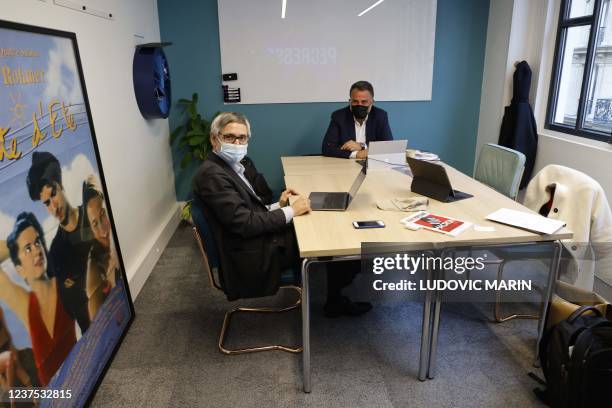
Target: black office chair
[208, 248]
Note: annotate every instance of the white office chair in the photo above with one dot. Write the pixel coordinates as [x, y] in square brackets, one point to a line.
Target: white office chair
[580, 201]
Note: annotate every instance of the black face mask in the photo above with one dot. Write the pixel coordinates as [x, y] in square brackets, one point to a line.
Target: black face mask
[359, 112]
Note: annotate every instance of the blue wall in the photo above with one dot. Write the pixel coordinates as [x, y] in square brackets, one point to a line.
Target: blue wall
[447, 125]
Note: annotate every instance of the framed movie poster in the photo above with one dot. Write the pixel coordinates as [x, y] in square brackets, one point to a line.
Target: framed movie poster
[64, 300]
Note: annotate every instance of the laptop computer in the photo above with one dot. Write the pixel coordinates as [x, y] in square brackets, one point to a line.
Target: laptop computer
[388, 152]
[430, 179]
[338, 201]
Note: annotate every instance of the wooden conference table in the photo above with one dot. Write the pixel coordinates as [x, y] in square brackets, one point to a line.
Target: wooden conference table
[328, 236]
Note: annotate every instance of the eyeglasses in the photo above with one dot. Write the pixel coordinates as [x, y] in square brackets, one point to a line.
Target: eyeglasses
[231, 138]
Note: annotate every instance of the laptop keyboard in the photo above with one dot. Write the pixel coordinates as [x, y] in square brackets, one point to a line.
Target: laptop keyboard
[334, 200]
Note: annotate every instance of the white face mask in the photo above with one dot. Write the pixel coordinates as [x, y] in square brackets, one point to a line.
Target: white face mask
[231, 152]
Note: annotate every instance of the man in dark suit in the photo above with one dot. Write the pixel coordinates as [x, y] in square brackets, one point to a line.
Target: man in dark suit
[70, 247]
[254, 236]
[353, 127]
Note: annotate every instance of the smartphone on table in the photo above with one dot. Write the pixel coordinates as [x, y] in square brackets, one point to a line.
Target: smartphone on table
[368, 224]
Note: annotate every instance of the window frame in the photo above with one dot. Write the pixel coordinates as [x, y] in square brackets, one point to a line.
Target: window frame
[564, 23]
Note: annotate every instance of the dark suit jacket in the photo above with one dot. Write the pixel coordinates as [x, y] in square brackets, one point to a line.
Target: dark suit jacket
[342, 129]
[253, 243]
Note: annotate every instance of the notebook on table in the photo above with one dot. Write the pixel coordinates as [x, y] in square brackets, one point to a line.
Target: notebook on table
[527, 221]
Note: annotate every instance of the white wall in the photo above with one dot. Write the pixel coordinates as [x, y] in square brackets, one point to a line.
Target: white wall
[494, 73]
[531, 36]
[525, 43]
[135, 153]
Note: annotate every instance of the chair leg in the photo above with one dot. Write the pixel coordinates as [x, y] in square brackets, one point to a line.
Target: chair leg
[228, 316]
[497, 307]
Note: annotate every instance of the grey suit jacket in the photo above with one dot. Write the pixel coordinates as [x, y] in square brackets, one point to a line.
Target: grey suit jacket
[252, 241]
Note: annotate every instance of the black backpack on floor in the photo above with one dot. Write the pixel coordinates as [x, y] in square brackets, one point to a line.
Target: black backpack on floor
[576, 357]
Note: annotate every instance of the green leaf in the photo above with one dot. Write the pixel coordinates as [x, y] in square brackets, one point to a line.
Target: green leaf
[196, 141]
[186, 212]
[186, 160]
[192, 111]
[194, 133]
[176, 133]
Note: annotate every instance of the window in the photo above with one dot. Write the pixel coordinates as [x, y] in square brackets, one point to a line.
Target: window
[580, 100]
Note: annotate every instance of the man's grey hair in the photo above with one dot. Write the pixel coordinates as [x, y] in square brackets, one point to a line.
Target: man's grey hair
[225, 118]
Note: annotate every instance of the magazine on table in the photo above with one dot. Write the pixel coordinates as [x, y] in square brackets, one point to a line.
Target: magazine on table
[435, 222]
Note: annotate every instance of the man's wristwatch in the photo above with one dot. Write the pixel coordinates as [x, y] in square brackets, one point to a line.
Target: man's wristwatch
[363, 146]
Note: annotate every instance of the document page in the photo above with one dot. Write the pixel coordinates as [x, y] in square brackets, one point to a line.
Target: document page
[525, 220]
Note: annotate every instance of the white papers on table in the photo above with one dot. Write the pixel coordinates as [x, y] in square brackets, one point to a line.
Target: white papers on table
[426, 156]
[483, 228]
[525, 220]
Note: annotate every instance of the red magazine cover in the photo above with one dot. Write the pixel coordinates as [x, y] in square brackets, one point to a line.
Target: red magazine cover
[437, 223]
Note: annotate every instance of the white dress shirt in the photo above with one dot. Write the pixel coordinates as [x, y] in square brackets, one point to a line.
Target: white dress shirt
[239, 169]
[360, 134]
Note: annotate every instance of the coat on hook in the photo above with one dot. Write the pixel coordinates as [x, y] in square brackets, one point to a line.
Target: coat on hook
[518, 129]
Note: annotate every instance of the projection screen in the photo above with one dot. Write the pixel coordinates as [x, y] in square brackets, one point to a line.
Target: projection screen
[286, 51]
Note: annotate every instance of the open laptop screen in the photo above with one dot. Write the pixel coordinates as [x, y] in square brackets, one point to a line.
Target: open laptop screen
[358, 181]
[387, 147]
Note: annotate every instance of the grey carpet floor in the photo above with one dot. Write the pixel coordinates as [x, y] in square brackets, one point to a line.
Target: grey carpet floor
[169, 358]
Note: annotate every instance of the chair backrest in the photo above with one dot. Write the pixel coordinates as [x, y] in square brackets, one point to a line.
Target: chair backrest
[500, 168]
[206, 241]
[581, 202]
[585, 199]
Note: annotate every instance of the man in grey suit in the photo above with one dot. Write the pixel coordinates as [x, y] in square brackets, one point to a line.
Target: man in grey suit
[254, 235]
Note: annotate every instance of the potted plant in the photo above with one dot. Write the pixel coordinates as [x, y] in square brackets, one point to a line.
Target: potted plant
[193, 138]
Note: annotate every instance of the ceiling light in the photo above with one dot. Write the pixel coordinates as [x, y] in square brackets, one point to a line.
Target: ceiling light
[368, 9]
